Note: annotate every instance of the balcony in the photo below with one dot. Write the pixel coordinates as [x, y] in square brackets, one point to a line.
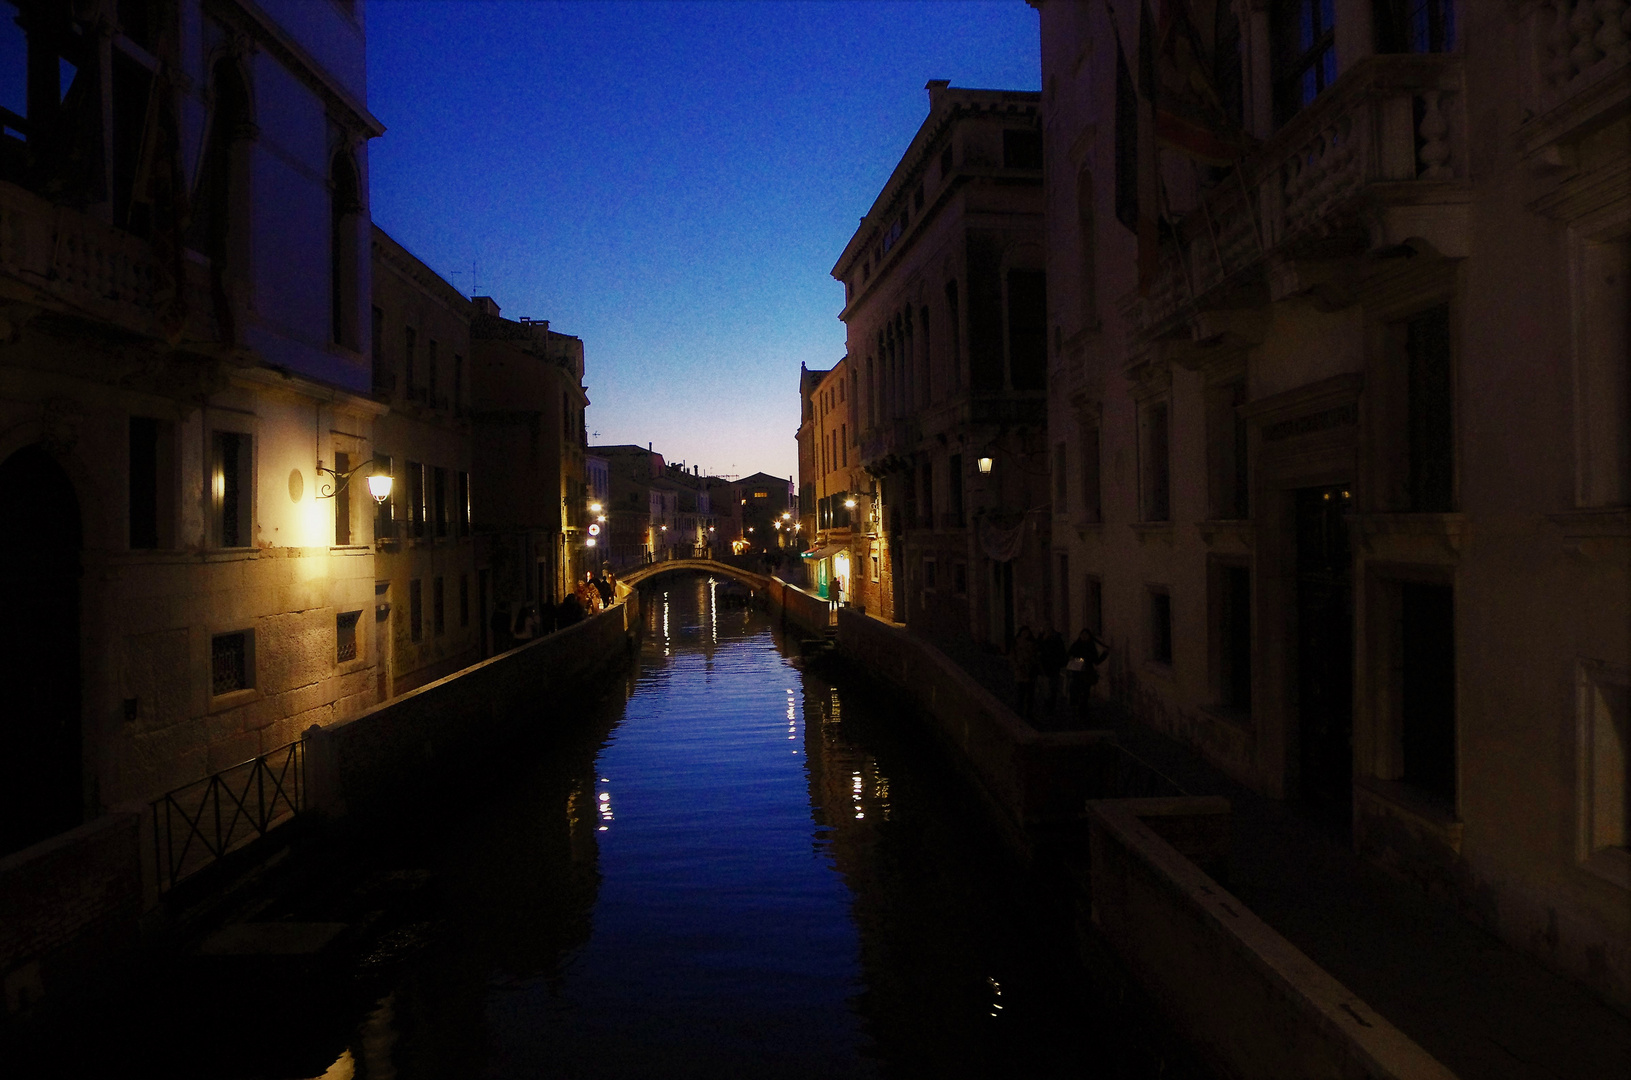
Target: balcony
[1376, 159]
[57, 258]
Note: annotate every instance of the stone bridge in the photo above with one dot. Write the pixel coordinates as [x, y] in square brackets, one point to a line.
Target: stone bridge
[634, 577]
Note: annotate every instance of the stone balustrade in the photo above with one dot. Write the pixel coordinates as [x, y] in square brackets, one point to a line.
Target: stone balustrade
[1387, 132]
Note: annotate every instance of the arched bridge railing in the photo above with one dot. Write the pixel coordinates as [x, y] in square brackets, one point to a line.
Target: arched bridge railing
[634, 577]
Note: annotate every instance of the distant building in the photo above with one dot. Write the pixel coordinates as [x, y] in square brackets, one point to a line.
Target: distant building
[431, 602]
[1340, 432]
[630, 472]
[830, 480]
[766, 512]
[946, 322]
[529, 494]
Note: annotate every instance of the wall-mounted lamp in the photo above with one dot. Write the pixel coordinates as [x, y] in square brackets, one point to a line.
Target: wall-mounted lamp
[379, 484]
[595, 508]
[849, 504]
[984, 464]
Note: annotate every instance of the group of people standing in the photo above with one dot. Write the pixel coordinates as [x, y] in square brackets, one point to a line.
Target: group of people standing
[1044, 658]
[512, 626]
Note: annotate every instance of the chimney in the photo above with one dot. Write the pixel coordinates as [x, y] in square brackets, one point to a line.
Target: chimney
[485, 305]
[936, 87]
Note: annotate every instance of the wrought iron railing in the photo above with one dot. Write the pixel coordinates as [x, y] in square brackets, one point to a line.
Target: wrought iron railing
[198, 823]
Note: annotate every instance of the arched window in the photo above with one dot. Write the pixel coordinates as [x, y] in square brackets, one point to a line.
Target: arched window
[345, 208]
[220, 221]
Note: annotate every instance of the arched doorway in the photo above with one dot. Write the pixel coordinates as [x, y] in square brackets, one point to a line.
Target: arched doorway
[40, 785]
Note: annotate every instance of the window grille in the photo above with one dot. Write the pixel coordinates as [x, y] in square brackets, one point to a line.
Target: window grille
[229, 662]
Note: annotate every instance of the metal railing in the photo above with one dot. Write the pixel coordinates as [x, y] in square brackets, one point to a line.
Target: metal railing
[198, 823]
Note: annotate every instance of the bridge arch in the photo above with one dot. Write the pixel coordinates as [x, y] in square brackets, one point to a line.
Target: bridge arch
[707, 566]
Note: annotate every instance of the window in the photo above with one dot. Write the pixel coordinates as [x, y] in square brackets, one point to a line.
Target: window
[1604, 703]
[1092, 509]
[1226, 451]
[1160, 626]
[231, 489]
[843, 444]
[430, 372]
[152, 483]
[1086, 240]
[1426, 635]
[929, 573]
[464, 601]
[1414, 26]
[382, 375]
[345, 636]
[954, 317]
[1126, 145]
[928, 493]
[1430, 409]
[385, 512]
[1154, 477]
[956, 476]
[232, 662]
[342, 502]
[874, 562]
[1305, 59]
[416, 610]
[1021, 149]
[345, 208]
[438, 610]
[1093, 604]
[416, 498]
[458, 385]
[1062, 619]
[959, 579]
[438, 488]
[409, 341]
[1027, 329]
[1059, 498]
[461, 504]
[1232, 635]
[1602, 373]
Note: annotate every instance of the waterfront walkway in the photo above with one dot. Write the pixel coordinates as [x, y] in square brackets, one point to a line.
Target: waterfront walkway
[1485, 1010]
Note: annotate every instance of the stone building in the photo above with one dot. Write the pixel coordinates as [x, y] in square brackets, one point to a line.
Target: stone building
[945, 315]
[765, 513]
[430, 600]
[830, 480]
[184, 343]
[527, 402]
[1339, 412]
[630, 471]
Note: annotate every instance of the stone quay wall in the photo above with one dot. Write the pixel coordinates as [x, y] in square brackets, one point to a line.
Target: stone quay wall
[394, 750]
[1245, 996]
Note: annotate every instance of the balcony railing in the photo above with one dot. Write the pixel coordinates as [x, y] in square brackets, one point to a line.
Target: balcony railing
[1388, 131]
[89, 268]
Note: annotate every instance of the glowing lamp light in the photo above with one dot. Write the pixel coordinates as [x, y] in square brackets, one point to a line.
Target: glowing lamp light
[379, 486]
[589, 542]
[849, 504]
[594, 530]
[985, 464]
[594, 508]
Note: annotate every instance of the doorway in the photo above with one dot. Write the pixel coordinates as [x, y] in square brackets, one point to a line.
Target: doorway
[1325, 654]
[41, 786]
[842, 583]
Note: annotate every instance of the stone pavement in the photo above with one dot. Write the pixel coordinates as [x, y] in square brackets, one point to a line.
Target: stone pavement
[1485, 1010]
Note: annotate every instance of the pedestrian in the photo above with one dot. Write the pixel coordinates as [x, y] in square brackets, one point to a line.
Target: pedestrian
[569, 610]
[1051, 654]
[1087, 652]
[1023, 659]
[604, 588]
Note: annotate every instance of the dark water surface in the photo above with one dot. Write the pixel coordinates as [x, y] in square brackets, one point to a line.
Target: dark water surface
[732, 868]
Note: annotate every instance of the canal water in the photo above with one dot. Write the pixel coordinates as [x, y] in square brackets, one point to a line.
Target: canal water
[731, 868]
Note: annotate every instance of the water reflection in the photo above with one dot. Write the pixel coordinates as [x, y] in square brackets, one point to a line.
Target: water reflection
[661, 886]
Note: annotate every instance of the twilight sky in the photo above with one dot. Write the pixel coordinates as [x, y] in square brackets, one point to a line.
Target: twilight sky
[670, 182]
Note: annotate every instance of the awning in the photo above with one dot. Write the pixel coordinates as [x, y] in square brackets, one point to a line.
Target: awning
[825, 551]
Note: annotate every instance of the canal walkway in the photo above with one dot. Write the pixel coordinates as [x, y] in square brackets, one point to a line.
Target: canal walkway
[1485, 1010]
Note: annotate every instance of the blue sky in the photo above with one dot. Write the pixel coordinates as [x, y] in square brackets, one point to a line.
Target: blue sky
[670, 182]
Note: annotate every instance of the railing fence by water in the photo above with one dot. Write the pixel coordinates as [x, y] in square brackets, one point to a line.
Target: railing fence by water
[198, 823]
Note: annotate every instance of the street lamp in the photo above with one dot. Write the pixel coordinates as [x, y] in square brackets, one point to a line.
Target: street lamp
[595, 508]
[984, 464]
[849, 504]
[379, 484]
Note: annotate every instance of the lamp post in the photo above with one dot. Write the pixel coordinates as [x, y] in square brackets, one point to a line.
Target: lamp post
[379, 484]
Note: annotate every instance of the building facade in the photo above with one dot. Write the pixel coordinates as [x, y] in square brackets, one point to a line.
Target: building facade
[945, 316]
[1337, 304]
[529, 442]
[430, 599]
[831, 481]
[184, 356]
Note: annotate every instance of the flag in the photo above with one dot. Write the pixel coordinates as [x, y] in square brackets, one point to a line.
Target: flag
[1189, 115]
